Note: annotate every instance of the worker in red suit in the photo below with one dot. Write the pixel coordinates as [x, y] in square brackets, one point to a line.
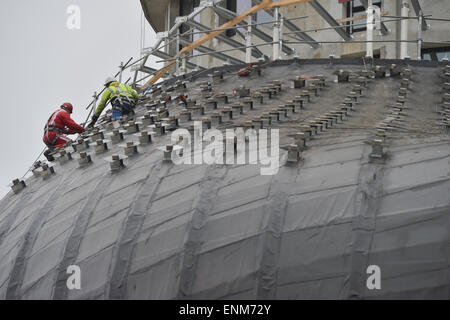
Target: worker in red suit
[58, 125]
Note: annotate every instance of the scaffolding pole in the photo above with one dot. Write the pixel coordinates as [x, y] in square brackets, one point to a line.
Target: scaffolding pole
[419, 35]
[248, 41]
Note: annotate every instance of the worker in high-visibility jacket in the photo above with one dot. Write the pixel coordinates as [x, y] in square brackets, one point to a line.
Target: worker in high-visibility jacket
[123, 99]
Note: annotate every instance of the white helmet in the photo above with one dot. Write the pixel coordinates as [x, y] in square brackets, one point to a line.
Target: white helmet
[109, 80]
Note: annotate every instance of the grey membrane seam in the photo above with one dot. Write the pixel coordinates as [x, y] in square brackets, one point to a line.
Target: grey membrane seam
[415, 187]
[9, 220]
[20, 263]
[367, 205]
[71, 250]
[130, 230]
[202, 207]
[415, 146]
[169, 257]
[250, 236]
[172, 192]
[8, 202]
[265, 286]
[419, 161]
[415, 220]
[73, 243]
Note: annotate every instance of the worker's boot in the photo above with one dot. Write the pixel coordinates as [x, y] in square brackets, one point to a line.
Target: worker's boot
[48, 155]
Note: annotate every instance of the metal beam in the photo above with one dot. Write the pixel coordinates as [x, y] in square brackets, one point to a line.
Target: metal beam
[213, 52]
[166, 56]
[291, 26]
[384, 29]
[227, 14]
[331, 21]
[417, 9]
[143, 69]
[236, 44]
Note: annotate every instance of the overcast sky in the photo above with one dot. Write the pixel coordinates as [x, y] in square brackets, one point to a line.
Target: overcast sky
[44, 64]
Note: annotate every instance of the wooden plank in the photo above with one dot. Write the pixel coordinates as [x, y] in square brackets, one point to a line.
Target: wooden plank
[285, 3]
[228, 24]
[206, 38]
[361, 17]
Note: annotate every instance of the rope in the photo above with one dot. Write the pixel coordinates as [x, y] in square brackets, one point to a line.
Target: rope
[34, 162]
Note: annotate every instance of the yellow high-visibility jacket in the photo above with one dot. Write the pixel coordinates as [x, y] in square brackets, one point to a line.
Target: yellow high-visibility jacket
[114, 89]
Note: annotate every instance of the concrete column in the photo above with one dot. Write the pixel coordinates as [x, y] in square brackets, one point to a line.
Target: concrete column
[369, 32]
[248, 41]
[173, 12]
[404, 30]
[276, 35]
[419, 36]
[177, 51]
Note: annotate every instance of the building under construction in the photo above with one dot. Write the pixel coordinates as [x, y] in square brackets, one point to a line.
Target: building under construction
[363, 168]
[307, 29]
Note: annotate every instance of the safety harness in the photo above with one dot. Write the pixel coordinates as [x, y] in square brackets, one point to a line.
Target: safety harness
[119, 97]
[50, 127]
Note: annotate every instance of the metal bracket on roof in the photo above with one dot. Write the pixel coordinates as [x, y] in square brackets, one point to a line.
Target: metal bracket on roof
[100, 146]
[36, 169]
[377, 148]
[47, 171]
[145, 137]
[64, 156]
[84, 159]
[116, 163]
[294, 155]
[81, 145]
[167, 151]
[18, 185]
[130, 148]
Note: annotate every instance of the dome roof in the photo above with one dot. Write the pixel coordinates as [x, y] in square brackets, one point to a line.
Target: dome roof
[369, 187]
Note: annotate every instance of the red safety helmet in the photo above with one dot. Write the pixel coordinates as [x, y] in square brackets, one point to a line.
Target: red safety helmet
[67, 106]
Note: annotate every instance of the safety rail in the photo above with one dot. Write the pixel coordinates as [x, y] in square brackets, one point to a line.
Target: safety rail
[278, 40]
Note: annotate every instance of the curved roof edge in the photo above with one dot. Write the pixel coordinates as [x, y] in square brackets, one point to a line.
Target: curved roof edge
[154, 11]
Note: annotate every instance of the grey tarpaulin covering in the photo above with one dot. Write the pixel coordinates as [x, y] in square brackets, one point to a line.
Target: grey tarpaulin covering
[157, 230]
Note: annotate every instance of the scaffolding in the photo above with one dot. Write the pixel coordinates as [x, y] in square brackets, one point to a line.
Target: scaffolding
[284, 35]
